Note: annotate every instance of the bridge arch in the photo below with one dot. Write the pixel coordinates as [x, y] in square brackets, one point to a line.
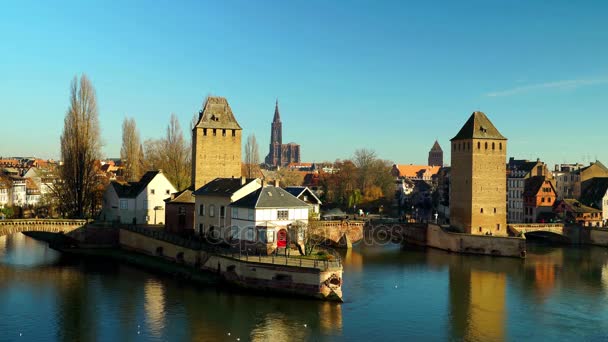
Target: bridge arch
[549, 236]
[60, 226]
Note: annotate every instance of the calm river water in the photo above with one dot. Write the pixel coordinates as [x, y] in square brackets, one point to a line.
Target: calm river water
[391, 294]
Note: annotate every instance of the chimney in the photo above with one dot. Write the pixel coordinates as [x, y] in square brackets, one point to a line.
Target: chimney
[277, 183]
[243, 180]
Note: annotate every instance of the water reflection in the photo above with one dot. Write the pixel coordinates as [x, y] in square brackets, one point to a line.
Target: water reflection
[154, 305]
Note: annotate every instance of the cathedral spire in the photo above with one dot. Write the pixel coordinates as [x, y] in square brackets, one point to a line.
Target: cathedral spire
[277, 116]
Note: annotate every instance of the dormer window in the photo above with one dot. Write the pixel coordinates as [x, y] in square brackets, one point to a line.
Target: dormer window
[483, 129]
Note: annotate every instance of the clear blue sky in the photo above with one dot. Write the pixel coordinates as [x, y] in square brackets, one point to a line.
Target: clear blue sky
[387, 75]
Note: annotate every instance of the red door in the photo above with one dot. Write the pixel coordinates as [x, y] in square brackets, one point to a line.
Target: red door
[282, 238]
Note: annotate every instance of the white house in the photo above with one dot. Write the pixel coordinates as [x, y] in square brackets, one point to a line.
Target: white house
[18, 191]
[5, 185]
[271, 217]
[137, 202]
[304, 194]
[211, 201]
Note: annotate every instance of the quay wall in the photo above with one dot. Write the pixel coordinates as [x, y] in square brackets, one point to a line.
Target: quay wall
[597, 236]
[40, 225]
[321, 283]
[475, 244]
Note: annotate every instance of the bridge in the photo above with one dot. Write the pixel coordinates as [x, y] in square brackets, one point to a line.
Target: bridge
[58, 226]
[552, 231]
[338, 233]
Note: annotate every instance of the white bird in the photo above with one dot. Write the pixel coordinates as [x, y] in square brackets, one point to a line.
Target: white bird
[228, 334]
[305, 325]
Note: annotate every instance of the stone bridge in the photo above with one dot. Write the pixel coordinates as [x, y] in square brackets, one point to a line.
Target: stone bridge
[545, 230]
[339, 233]
[59, 226]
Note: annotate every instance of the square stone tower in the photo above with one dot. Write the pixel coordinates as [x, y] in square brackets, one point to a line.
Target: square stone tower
[216, 143]
[478, 194]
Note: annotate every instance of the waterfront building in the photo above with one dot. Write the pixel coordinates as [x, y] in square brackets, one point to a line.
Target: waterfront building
[179, 213]
[304, 194]
[270, 217]
[436, 155]
[573, 211]
[571, 178]
[216, 143]
[5, 186]
[212, 217]
[478, 178]
[539, 198]
[32, 193]
[415, 172]
[280, 154]
[519, 171]
[596, 195]
[139, 202]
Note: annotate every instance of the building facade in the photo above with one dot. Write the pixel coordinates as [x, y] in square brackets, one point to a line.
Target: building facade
[216, 143]
[436, 155]
[279, 154]
[519, 171]
[539, 198]
[478, 178]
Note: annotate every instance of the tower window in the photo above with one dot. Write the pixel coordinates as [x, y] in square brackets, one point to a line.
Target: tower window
[481, 210]
[234, 132]
[480, 229]
[486, 145]
[493, 147]
[478, 145]
[204, 131]
[494, 210]
[500, 146]
[215, 133]
[223, 132]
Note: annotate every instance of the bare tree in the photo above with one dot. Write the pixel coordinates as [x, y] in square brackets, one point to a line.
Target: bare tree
[130, 152]
[252, 156]
[80, 148]
[172, 154]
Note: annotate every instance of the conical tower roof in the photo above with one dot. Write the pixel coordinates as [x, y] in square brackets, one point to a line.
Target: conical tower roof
[436, 147]
[217, 113]
[478, 127]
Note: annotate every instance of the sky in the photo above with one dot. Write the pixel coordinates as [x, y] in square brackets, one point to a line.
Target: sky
[391, 76]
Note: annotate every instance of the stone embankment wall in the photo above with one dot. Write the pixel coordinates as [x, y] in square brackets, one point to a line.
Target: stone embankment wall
[318, 282]
[339, 233]
[475, 244]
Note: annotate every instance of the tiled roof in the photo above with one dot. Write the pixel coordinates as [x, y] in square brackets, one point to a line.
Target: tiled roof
[595, 191]
[578, 207]
[533, 185]
[217, 113]
[270, 197]
[299, 190]
[184, 196]
[133, 189]
[416, 171]
[479, 127]
[223, 186]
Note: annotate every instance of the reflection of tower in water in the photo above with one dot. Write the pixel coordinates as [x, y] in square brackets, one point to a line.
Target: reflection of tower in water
[477, 304]
[154, 306]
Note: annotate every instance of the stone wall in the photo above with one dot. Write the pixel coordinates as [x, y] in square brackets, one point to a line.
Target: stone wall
[215, 155]
[475, 244]
[305, 281]
[339, 233]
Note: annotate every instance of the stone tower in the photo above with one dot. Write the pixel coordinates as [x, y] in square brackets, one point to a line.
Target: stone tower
[276, 139]
[216, 143]
[436, 155]
[478, 191]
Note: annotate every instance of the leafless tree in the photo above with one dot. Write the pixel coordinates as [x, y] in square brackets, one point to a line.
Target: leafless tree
[130, 152]
[80, 149]
[252, 156]
[172, 154]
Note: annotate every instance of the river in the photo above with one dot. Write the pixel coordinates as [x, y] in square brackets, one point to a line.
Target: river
[557, 293]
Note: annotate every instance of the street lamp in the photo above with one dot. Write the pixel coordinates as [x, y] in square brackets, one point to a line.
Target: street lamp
[158, 207]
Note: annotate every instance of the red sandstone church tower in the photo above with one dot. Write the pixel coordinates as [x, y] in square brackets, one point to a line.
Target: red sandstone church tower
[280, 154]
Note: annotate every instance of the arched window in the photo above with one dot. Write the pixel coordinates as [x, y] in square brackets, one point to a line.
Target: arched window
[479, 145]
[486, 145]
[500, 146]
[481, 210]
[493, 147]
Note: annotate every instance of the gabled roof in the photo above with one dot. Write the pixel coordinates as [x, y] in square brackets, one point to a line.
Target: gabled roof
[297, 191]
[578, 207]
[185, 196]
[478, 127]
[133, 189]
[217, 113]
[223, 186]
[270, 197]
[596, 164]
[534, 184]
[416, 171]
[595, 191]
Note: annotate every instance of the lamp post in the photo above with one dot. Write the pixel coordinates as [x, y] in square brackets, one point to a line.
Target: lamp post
[158, 207]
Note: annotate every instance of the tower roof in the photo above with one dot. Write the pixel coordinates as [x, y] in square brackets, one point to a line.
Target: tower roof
[277, 116]
[478, 127]
[436, 147]
[217, 113]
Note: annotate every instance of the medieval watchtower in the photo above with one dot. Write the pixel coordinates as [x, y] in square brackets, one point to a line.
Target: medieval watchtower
[478, 202]
[216, 143]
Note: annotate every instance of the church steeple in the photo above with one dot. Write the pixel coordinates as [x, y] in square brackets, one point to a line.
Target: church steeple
[277, 116]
